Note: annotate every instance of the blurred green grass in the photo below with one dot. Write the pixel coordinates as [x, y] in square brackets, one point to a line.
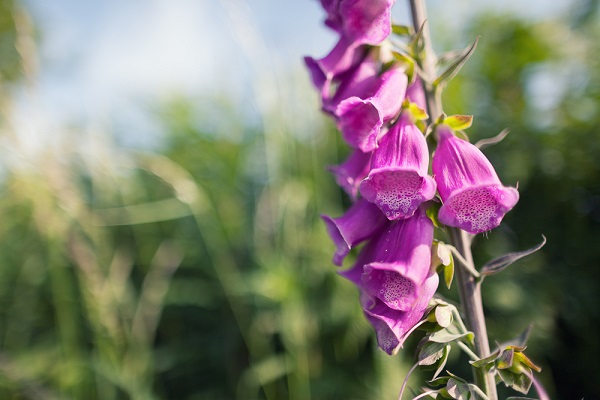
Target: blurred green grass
[202, 270]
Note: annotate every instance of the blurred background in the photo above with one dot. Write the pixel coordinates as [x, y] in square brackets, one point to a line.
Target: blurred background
[163, 168]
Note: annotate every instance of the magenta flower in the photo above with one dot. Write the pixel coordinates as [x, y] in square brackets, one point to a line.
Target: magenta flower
[352, 171]
[359, 23]
[474, 198]
[392, 326]
[394, 275]
[398, 182]
[362, 21]
[361, 117]
[359, 81]
[401, 262]
[359, 223]
[342, 58]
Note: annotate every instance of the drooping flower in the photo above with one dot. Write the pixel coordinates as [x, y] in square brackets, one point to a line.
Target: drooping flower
[361, 116]
[359, 81]
[352, 171]
[359, 23]
[394, 275]
[362, 21]
[473, 197]
[392, 326]
[401, 262]
[398, 182]
[341, 59]
[359, 223]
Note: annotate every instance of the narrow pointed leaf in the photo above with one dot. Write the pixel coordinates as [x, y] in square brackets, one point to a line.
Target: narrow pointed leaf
[456, 65]
[416, 42]
[500, 263]
[432, 213]
[485, 361]
[449, 272]
[442, 380]
[442, 361]
[430, 353]
[521, 340]
[444, 336]
[483, 143]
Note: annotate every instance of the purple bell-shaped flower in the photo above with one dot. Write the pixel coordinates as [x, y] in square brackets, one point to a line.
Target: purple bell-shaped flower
[360, 117]
[393, 272]
[392, 326]
[398, 182]
[362, 21]
[473, 197]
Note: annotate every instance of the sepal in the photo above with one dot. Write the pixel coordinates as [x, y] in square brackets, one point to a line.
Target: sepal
[459, 122]
[455, 66]
[402, 30]
[483, 143]
[501, 263]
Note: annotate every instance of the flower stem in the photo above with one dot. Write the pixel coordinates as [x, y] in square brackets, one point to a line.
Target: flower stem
[427, 62]
[468, 288]
[470, 298]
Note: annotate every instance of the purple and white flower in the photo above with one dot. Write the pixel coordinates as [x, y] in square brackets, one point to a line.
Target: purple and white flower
[398, 182]
[473, 197]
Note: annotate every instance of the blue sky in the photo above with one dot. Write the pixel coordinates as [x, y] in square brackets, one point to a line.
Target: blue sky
[104, 62]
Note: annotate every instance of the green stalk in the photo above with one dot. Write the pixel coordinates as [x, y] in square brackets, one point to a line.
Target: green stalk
[469, 292]
[468, 288]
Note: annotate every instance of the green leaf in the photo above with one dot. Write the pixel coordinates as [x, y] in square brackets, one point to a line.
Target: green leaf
[430, 353]
[485, 361]
[458, 390]
[442, 361]
[402, 30]
[445, 336]
[442, 255]
[499, 264]
[459, 122]
[443, 316]
[456, 65]
[432, 213]
[521, 382]
[416, 43]
[442, 380]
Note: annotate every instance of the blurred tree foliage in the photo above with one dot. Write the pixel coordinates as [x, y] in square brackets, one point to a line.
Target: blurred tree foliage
[202, 270]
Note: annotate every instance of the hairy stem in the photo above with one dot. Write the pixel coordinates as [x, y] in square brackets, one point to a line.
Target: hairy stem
[469, 290]
[470, 298]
